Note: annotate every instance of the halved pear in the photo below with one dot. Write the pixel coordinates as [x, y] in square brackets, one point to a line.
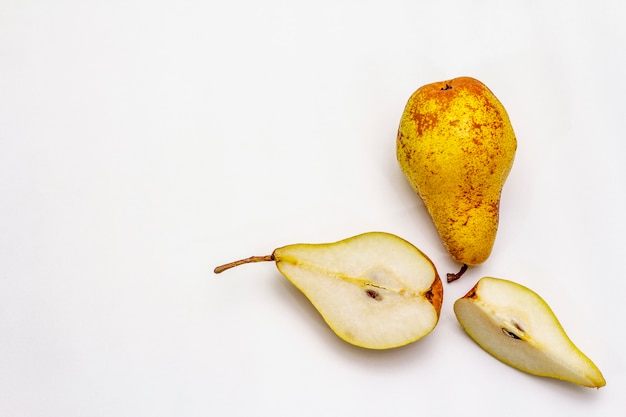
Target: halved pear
[517, 327]
[374, 290]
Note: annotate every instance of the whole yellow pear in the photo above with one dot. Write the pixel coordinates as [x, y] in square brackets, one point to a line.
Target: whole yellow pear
[456, 147]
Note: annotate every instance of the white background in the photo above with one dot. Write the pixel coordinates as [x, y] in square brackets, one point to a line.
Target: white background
[142, 143]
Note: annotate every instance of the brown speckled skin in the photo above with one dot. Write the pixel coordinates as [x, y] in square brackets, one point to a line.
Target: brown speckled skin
[456, 147]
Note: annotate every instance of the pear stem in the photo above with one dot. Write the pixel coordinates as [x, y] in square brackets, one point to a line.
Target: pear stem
[453, 277]
[251, 259]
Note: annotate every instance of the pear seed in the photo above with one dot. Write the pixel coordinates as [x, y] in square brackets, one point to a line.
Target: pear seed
[374, 294]
[511, 334]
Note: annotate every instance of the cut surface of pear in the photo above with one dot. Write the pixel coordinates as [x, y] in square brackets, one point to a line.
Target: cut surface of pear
[517, 327]
[374, 290]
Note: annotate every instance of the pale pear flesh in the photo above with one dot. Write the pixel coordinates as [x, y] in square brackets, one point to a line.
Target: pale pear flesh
[374, 290]
[517, 327]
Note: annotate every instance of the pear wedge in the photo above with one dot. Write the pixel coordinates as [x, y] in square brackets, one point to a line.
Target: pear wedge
[374, 290]
[517, 327]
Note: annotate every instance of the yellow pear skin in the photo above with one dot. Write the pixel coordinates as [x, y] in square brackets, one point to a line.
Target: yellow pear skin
[456, 147]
